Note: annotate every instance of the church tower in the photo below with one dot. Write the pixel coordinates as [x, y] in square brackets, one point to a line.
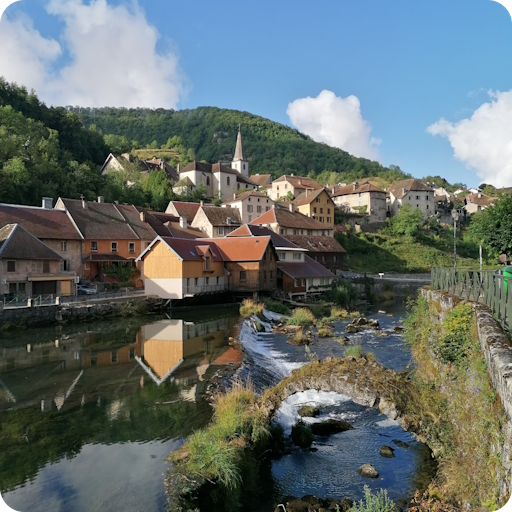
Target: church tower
[239, 162]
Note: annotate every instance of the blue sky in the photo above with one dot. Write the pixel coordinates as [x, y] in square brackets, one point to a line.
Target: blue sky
[408, 63]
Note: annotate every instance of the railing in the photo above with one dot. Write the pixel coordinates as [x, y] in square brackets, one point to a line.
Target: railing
[205, 288]
[488, 287]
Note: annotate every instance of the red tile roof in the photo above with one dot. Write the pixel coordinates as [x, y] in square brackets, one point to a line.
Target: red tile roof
[288, 219]
[219, 216]
[305, 269]
[483, 200]
[299, 182]
[244, 195]
[308, 197]
[43, 223]
[132, 216]
[316, 243]
[243, 248]
[356, 188]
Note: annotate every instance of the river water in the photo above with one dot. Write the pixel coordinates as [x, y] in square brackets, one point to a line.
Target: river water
[89, 412]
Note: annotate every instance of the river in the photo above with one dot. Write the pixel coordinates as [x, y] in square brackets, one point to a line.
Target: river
[89, 412]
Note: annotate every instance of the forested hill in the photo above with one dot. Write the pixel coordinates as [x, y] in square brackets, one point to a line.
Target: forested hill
[211, 133]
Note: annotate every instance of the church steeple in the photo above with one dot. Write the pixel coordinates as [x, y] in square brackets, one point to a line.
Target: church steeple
[239, 162]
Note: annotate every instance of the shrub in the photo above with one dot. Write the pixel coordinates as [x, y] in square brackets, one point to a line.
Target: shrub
[370, 356]
[455, 344]
[325, 332]
[378, 502]
[319, 310]
[354, 351]
[339, 312]
[302, 435]
[276, 306]
[250, 307]
[302, 317]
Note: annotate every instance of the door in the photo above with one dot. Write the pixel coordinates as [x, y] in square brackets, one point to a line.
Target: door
[65, 288]
[44, 288]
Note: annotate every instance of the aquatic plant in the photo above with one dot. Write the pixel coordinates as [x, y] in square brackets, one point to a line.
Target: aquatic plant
[378, 502]
[302, 317]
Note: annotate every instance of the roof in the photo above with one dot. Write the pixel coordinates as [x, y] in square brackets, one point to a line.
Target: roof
[299, 182]
[183, 209]
[260, 179]
[187, 249]
[219, 216]
[401, 188]
[171, 172]
[253, 230]
[184, 182]
[239, 150]
[243, 248]
[316, 243]
[244, 195]
[244, 179]
[308, 197]
[356, 188]
[17, 243]
[205, 167]
[303, 270]
[288, 219]
[107, 221]
[165, 224]
[107, 256]
[43, 223]
[483, 200]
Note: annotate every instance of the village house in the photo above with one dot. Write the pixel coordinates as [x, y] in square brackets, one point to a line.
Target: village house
[250, 204]
[113, 236]
[363, 198]
[177, 268]
[293, 185]
[30, 268]
[215, 221]
[121, 163]
[316, 204]
[53, 227]
[477, 202]
[165, 224]
[262, 180]
[184, 209]
[289, 222]
[298, 275]
[413, 192]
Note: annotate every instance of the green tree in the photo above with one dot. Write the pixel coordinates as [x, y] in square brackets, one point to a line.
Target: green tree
[408, 222]
[117, 144]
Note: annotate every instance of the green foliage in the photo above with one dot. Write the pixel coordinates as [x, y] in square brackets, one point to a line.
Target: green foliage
[353, 351]
[408, 222]
[344, 294]
[454, 345]
[121, 272]
[492, 227]
[302, 317]
[276, 306]
[302, 435]
[378, 502]
[118, 144]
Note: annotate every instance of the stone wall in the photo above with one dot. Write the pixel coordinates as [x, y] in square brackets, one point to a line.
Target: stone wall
[497, 350]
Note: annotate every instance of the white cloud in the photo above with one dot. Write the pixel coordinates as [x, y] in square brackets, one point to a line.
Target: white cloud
[113, 58]
[335, 121]
[484, 141]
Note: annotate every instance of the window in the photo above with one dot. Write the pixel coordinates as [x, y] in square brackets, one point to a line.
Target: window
[321, 210]
[114, 247]
[218, 280]
[221, 231]
[207, 281]
[277, 189]
[196, 281]
[65, 266]
[282, 231]
[207, 264]
[228, 180]
[314, 210]
[132, 353]
[328, 210]
[317, 199]
[22, 288]
[297, 256]
[46, 267]
[267, 208]
[360, 195]
[250, 218]
[417, 198]
[131, 247]
[286, 186]
[12, 289]
[321, 219]
[11, 266]
[282, 256]
[94, 245]
[114, 356]
[207, 180]
[249, 208]
[295, 232]
[258, 208]
[427, 206]
[243, 275]
[64, 246]
[295, 283]
[328, 219]
[303, 282]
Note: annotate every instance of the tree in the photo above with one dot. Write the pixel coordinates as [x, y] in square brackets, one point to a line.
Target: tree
[118, 144]
[408, 222]
[492, 227]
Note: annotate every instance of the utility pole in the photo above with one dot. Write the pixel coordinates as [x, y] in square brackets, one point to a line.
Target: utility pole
[455, 216]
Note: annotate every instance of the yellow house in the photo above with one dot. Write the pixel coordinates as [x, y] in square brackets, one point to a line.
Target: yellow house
[318, 205]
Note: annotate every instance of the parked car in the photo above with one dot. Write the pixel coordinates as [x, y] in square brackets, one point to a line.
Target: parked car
[86, 290]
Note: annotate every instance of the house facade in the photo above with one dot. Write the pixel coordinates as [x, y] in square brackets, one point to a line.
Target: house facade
[363, 198]
[477, 202]
[413, 192]
[215, 221]
[295, 185]
[318, 205]
[250, 204]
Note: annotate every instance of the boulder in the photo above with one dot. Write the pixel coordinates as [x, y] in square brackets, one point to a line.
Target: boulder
[298, 506]
[387, 451]
[373, 324]
[360, 321]
[315, 501]
[342, 505]
[401, 444]
[352, 328]
[331, 426]
[397, 329]
[309, 411]
[368, 471]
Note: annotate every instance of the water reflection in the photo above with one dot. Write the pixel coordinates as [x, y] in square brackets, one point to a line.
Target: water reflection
[101, 394]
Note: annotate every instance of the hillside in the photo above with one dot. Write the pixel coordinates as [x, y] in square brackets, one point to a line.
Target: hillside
[210, 135]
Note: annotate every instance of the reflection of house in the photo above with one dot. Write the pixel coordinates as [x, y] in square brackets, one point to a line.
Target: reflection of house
[113, 234]
[175, 268]
[316, 204]
[290, 222]
[362, 198]
[30, 268]
[216, 221]
[294, 185]
[297, 273]
[414, 193]
[250, 205]
[53, 227]
[478, 202]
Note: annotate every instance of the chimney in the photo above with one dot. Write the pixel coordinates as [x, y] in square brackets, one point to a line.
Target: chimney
[234, 195]
[178, 169]
[307, 192]
[291, 174]
[84, 203]
[183, 223]
[201, 204]
[333, 190]
[101, 199]
[291, 207]
[479, 195]
[228, 221]
[142, 216]
[47, 203]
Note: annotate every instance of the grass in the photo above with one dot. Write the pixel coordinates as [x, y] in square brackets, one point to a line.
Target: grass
[302, 316]
[276, 306]
[339, 312]
[302, 435]
[378, 502]
[250, 307]
[325, 332]
[453, 398]
[353, 351]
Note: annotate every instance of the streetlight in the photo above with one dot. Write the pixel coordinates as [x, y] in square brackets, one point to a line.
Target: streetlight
[455, 216]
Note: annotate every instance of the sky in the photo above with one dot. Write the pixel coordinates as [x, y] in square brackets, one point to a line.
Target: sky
[426, 86]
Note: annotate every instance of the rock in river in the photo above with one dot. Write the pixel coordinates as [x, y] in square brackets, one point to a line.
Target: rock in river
[352, 328]
[401, 444]
[331, 426]
[387, 451]
[368, 470]
[309, 411]
[342, 505]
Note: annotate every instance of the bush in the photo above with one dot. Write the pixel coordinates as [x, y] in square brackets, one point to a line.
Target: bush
[250, 307]
[344, 294]
[302, 317]
[378, 502]
[354, 351]
[454, 345]
[339, 313]
[302, 435]
[276, 306]
[324, 332]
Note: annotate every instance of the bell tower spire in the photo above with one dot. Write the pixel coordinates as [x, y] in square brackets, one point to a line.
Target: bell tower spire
[239, 162]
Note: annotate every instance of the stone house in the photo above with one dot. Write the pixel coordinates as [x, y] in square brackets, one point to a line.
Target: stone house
[363, 198]
[413, 192]
[477, 202]
[251, 204]
[215, 221]
[295, 185]
[316, 204]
